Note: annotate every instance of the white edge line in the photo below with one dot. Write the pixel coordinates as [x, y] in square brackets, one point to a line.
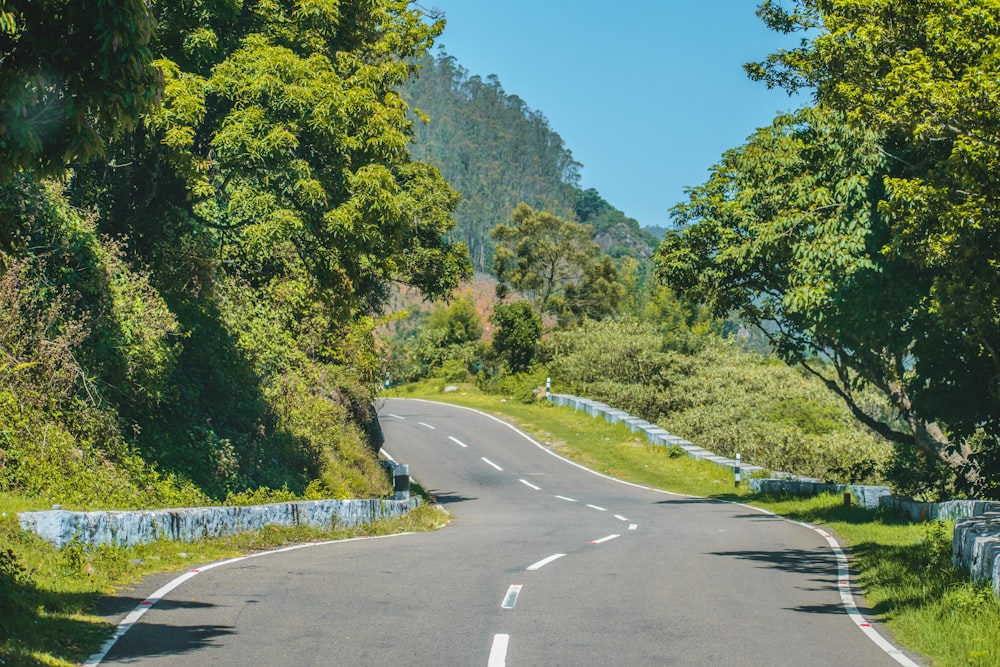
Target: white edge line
[606, 539]
[133, 617]
[490, 463]
[457, 441]
[530, 485]
[869, 631]
[595, 507]
[386, 454]
[498, 652]
[545, 561]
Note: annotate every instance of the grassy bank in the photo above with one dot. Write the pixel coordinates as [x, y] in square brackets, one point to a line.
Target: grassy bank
[903, 568]
[48, 596]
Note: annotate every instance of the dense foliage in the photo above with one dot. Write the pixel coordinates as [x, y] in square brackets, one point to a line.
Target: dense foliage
[189, 313]
[864, 229]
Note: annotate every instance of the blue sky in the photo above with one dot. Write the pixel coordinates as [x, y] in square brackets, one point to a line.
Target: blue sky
[647, 94]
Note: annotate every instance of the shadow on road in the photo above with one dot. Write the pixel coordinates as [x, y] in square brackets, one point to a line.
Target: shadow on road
[447, 497]
[150, 640]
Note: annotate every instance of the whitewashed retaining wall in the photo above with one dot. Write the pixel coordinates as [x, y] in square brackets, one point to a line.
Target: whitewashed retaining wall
[128, 528]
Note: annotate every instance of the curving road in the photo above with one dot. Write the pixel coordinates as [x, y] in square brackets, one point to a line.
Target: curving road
[544, 563]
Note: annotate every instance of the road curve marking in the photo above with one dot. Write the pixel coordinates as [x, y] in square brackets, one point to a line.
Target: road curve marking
[457, 441]
[140, 609]
[545, 561]
[498, 652]
[606, 539]
[847, 597]
[491, 464]
[530, 485]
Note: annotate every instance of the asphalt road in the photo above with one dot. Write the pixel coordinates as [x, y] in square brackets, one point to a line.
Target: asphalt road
[544, 563]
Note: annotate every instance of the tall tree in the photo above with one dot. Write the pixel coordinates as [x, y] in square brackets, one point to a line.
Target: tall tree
[540, 255]
[789, 232]
[924, 75]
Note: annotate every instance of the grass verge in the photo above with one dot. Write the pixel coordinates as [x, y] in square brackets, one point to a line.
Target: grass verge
[903, 568]
[47, 595]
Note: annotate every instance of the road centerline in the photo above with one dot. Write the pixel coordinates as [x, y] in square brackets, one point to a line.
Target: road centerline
[493, 465]
[530, 485]
[545, 561]
[595, 507]
[606, 539]
[457, 441]
[498, 651]
[510, 599]
[569, 500]
[433, 428]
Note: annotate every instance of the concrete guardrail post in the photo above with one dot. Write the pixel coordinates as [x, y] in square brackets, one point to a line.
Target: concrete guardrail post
[401, 481]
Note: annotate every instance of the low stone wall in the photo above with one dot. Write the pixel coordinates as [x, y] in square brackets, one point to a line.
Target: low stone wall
[866, 496]
[975, 548]
[949, 510]
[654, 434]
[128, 528]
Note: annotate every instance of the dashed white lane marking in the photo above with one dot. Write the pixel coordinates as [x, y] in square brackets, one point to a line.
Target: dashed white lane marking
[606, 539]
[620, 517]
[396, 416]
[865, 627]
[595, 507]
[633, 526]
[144, 606]
[530, 485]
[498, 652]
[569, 500]
[490, 463]
[457, 441]
[433, 428]
[510, 599]
[545, 561]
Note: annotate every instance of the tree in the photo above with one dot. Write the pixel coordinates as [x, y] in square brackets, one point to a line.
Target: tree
[540, 254]
[923, 75]
[74, 75]
[789, 233]
[518, 330]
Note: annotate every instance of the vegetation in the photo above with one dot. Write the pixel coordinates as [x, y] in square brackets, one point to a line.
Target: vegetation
[862, 229]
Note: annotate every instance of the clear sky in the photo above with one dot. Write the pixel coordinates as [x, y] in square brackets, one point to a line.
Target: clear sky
[647, 94]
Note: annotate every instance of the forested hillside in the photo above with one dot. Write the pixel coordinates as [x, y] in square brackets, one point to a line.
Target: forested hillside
[202, 206]
[498, 152]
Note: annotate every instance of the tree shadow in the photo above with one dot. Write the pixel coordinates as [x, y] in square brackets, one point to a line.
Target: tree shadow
[150, 640]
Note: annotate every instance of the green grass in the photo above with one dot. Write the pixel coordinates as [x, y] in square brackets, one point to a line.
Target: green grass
[48, 596]
[903, 568]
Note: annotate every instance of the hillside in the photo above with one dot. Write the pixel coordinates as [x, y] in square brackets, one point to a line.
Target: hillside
[496, 152]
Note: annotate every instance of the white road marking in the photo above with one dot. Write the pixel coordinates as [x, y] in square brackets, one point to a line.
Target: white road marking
[490, 463]
[457, 441]
[498, 652]
[433, 428]
[595, 507]
[569, 500]
[387, 455]
[144, 606]
[510, 599]
[633, 526]
[530, 485]
[620, 517]
[545, 561]
[606, 539]
[396, 416]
